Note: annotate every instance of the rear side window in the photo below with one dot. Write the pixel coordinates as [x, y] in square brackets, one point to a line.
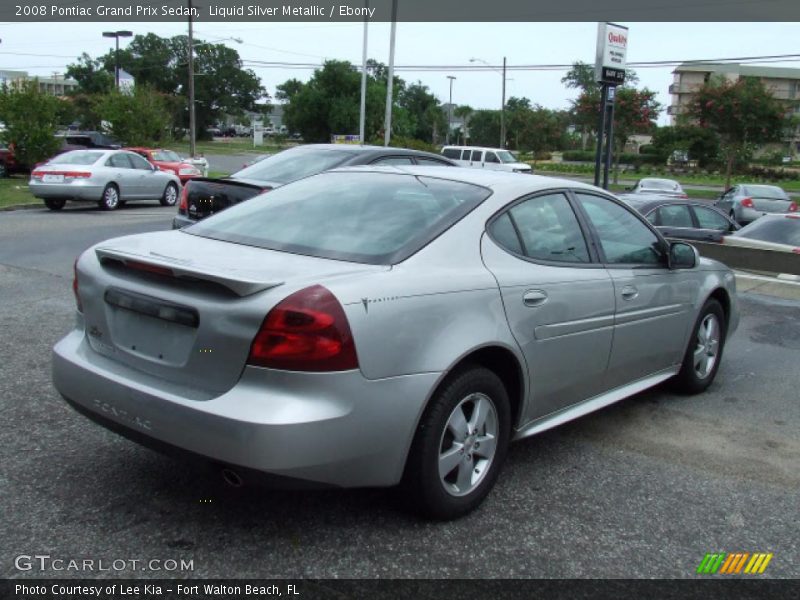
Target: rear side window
[120, 161]
[431, 162]
[542, 228]
[393, 160]
[453, 153]
[466, 154]
[373, 218]
[476, 155]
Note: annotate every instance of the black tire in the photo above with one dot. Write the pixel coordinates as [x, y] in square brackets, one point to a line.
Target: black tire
[691, 379]
[439, 497]
[170, 196]
[110, 199]
[55, 203]
[3, 170]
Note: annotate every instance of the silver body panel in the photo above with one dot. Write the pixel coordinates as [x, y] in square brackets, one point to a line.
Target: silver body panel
[412, 322]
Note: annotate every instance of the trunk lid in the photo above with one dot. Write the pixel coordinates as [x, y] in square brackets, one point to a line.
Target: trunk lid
[771, 205]
[185, 308]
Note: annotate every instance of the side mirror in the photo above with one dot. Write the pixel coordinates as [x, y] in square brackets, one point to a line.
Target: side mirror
[683, 256]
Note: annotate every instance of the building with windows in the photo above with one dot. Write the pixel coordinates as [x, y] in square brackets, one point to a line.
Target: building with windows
[57, 85]
[784, 83]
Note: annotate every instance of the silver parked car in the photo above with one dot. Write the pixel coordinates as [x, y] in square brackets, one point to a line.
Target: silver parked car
[374, 326]
[654, 185]
[745, 203]
[108, 177]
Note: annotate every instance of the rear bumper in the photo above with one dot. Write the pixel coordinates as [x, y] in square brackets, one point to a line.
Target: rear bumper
[335, 429]
[69, 191]
[748, 215]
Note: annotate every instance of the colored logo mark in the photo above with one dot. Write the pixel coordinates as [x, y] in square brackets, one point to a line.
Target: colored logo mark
[734, 563]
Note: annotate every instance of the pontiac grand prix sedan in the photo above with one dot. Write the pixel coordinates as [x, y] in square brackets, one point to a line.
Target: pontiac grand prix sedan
[375, 326]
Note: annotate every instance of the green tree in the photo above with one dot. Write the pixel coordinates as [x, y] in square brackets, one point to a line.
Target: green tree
[31, 119]
[91, 75]
[139, 119]
[699, 143]
[484, 128]
[635, 112]
[743, 113]
[428, 120]
[463, 112]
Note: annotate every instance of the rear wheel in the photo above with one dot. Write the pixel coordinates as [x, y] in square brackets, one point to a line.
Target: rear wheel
[703, 355]
[170, 196]
[55, 203]
[460, 445]
[110, 199]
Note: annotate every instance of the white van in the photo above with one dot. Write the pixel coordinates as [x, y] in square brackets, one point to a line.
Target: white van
[496, 159]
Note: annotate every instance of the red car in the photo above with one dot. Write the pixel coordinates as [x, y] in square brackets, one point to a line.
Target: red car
[169, 161]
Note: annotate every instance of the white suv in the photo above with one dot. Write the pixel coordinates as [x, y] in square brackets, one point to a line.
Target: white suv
[495, 159]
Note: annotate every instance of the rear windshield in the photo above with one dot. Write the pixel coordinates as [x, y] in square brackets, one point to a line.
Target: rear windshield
[659, 184]
[166, 156]
[291, 165]
[77, 157]
[373, 218]
[765, 191]
[782, 230]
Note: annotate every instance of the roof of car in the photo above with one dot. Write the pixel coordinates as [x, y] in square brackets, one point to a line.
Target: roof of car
[483, 177]
[643, 202]
[372, 150]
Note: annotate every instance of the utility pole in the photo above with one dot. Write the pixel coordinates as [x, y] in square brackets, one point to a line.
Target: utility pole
[363, 114]
[387, 125]
[192, 124]
[503, 109]
[450, 110]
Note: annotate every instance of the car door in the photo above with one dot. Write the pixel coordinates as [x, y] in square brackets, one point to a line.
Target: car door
[476, 159]
[725, 202]
[490, 161]
[558, 300]
[712, 226]
[123, 174]
[150, 183]
[652, 301]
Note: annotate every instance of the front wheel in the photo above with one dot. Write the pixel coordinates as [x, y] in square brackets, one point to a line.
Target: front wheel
[704, 353]
[170, 196]
[55, 203]
[460, 445]
[110, 199]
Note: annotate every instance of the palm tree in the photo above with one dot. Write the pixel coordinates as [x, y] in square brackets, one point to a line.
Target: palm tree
[463, 112]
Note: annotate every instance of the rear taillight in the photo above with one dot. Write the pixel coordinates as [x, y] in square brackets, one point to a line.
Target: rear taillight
[307, 331]
[75, 289]
[183, 207]
[148, 268]
[37, 174]
[793, 207]
[77, 174]
[684, 196]
[747, 202]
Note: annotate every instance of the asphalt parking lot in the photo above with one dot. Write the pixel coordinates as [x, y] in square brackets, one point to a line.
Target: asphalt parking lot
[644, 488]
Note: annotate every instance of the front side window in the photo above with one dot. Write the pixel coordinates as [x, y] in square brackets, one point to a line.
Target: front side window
[711, 219]
[139, 162]
[372, 218]
[676, 215]
[542, 228]
[491, 157]
[624, 239]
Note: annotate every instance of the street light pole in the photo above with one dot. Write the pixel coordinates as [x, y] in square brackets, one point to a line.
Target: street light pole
[450, 110]
[387, 125]
[362, 117]
[116, 35]
[503, 109]
[192, 121]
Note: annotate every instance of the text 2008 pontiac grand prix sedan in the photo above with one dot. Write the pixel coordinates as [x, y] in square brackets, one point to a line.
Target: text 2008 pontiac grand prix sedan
[380, 326]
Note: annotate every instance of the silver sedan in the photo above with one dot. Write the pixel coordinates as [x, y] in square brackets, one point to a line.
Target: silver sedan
[746, 202]
[108, 177]
[375, 326]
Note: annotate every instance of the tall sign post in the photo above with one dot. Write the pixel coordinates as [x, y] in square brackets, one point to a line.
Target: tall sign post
[609, 67]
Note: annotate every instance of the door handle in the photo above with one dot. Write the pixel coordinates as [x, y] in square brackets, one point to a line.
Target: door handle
[534, 298]
[629, 292]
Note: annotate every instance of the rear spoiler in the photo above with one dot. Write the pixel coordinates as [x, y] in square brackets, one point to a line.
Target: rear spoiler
[241, 285]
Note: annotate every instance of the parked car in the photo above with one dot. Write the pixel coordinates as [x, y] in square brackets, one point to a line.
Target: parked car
[168, 161]
[9, 163]
[744, 203]
[204, 197]
[372, 327]
[108, 177]
[494, 159]
[682, 219]
[654, 185]
[770, 232]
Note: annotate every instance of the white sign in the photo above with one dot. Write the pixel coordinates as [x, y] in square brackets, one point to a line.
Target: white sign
[612, 50]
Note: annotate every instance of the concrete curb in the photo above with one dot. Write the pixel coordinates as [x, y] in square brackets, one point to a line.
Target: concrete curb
[22, 206]
[747, 283]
